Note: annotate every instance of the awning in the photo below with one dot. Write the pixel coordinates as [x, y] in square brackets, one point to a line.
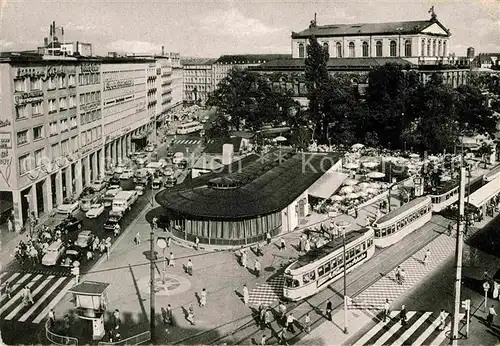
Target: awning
[325, 186]
[485, 193]
[139, 136]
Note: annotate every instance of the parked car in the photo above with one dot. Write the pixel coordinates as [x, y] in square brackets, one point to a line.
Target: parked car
[163, 162]
[150, 148]
[95, 210]
[167, 171]
[170, 181]
[120, 168]
[114, 181]
[68, 207]
[69, 224]
[178, 157]
[142, 159]
[85, 238]
[140, 190]
[53, 253]
[169, 154]
[156, 184]
[97, 185]
[182, 164]
[111, 222]
[72, 254]
[127, 174]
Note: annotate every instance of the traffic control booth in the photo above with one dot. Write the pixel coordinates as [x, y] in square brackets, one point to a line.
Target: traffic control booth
[90, 301]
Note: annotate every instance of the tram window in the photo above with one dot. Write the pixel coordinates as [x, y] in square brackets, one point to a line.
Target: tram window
[370, 242]
[293, 283]
[327, 267]
[321, 271]
[377, 233]
[351, 253]
[393, 228]
[364, 246]
[339, 261]
[383, 232]
[305, 279]
[334, 263]
[358, 249]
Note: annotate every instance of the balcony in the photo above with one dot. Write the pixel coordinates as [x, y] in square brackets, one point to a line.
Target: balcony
[166, 100]
[167, 83]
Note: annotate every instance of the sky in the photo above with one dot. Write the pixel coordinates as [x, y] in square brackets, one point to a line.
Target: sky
[210, 28]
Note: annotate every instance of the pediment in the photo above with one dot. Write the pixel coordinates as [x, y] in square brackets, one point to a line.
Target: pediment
[435, 29]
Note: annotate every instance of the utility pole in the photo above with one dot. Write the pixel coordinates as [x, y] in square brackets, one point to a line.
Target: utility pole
[152, 312]
[458, 254]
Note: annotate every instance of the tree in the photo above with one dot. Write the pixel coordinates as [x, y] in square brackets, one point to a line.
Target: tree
[472, 111]
[485, 150]
[220, 128]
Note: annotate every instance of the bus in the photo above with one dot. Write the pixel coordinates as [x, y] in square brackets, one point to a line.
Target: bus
[395, 225]
[123, 201]
[190, 127]
[318, 268]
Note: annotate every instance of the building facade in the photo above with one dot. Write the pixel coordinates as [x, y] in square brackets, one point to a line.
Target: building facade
[65, 120]
[197, 77]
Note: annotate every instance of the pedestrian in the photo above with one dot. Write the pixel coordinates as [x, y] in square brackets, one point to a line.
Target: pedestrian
[402, 276]
[171, 260]
[268, 238]
[402, 315]
[307, 247]
[137, 238]
[10, 226]
[108, 246]
[491, 315]
[398, 275]
[8, 289]
[355, 213]
[450, 229]
[169, 241]
[263, 340]
[170, 314]
[262, 315]
[246, 295]
[52, 318]
[329, 308]
[387, 308]
[244, 258]
[155, 222]
[267, 318]
[189, 267]
[197, 243]
[190, 317]
[282, 310]
[203, 297]
[282, 244]
[66, 322]
[282, 336]
[116, 319]
[90, 255]
[257, 268]
[426, 257]
[307, 323]
[29, 297]
[258, 250]
[116, 230]
[442, 319]
[290, 321]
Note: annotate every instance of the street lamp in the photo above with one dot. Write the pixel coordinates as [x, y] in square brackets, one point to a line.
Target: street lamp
[342, 225]
[152, 293]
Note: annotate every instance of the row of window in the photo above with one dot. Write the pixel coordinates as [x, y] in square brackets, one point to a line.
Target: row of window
[27, 84]
[89, 78]
[393, 49]
[198, 80]
[445, 197]
[387, 231]
[38, 132]
[332, 265]
[90, 116]
[36, 108]
[118, 75]
[198, 87]
[201, 73]
[94, 96]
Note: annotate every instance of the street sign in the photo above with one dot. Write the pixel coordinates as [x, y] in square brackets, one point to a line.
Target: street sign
[486, 286]
[161, 242]
[466, 304]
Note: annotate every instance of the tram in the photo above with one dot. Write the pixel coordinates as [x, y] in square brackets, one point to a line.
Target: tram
[394, 226]
[318, 268]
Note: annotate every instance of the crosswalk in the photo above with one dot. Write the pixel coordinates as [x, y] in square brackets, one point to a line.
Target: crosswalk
[267, 293]
[187, 141]
[46, 290]
[422, 328]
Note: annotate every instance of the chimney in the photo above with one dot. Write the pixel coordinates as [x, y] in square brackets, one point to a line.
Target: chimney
[45, 41]
[77, 49]
[162, 50]
[54, 28]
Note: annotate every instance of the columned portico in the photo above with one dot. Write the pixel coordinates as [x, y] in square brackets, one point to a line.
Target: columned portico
[114, 158]
[102, 163]
[118, 150]
[95, 172]
[86, 164]
[79, 178]
[47, 191]
[59, 188]
[69, 179]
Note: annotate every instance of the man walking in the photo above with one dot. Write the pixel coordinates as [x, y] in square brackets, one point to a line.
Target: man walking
[197, 243]
[290, 321]
[244, 258]
[257, 268]
[203, 297]
[329, 308]
[387, 308]
[426, 257]
[491, 315]
[307, 323]
[442, 319]
[137, 238]
[282, 244]
[268, 238]
[189, 267]
[171, 260]
[246, 295]
[402, 315]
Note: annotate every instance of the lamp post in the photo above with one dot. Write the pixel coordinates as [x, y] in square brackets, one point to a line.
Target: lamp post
[342, 225]
[152, 312]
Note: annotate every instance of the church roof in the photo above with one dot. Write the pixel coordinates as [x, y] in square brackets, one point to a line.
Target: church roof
[407, 27]
[250, 58]
[333, 63]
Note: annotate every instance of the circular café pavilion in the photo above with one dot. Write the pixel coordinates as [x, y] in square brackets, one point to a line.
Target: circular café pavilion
[243, 201]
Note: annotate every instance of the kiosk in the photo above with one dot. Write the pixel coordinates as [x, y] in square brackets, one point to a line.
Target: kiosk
[90, 301]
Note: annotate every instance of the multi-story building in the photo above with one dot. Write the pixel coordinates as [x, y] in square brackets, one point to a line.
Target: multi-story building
[64, 120]
[197, 77]
[355, 49]
[227, 62]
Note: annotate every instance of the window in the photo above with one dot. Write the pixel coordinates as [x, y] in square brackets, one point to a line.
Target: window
[72, 101]
[22, 137]
[63, 104]
[53, 128]
[52, 83]
[434, 48]
[408, 48]
[20, 85]
[338, 45]
[36, 83]
[365, 49]
[71, 80]
[83, 139]
[52, 106]
[64, 125]
[429, 47]
[439, 48]
[74, 143]
[99, 132]
[36, 108]
[72, 122]
[24, 164]
[38, 132]
[301, 50]
[392, 47]
[422, 49]
[352, 52]
[39, 154]
[444, 48]
[65, 147]
[21, 112]
[55, 151]
[62, 82]
[378, 48]
[326, 47]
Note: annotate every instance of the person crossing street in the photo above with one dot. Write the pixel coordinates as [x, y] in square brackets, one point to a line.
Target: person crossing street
[257, 268]
[442, 319]
[427, 257]
[203, 297]
[246, 295]
[387, 308]
[189, 267]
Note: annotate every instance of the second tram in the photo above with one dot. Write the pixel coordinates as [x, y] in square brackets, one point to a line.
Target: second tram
[320, 267]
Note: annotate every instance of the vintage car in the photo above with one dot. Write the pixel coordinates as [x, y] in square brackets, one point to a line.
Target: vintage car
[97, 185]
[70, 223]
[95, 210]
[127, 174]
[111, 222]
[140, 190]
[71, 255]
[85, 238]
[68, 207]
[53, 253]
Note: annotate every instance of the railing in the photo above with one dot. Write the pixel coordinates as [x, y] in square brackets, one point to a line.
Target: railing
[59, 339]
[133, 340]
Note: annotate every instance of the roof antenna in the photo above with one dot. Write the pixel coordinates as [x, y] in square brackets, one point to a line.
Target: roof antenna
[313, 22]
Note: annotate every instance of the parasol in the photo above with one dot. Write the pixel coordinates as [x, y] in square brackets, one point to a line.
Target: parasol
[414, 156]
[337, 198]
[357, 146]
[280, 139]
[376, 175]
[346, 189]
[350, 182]
[352, 196]
[351, 165]
[370, 164]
